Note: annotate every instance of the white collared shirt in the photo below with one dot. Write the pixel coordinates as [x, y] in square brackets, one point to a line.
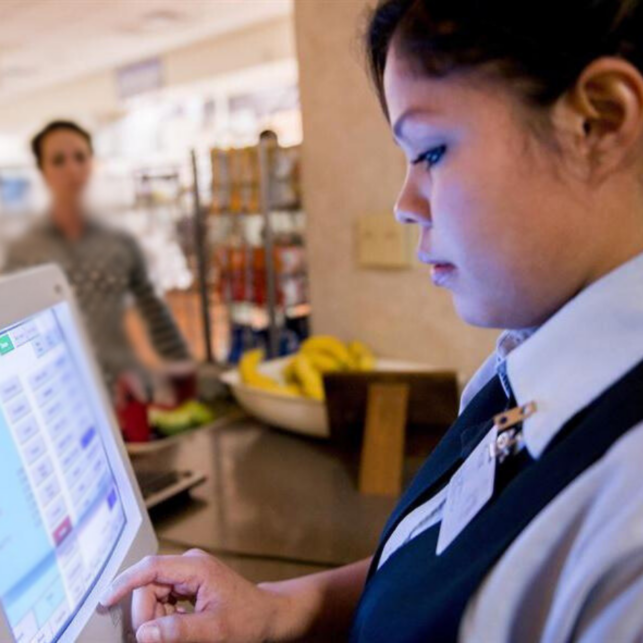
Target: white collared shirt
[576, 572]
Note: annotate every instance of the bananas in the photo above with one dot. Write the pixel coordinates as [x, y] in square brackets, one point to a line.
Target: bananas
[331, 347]
[311, 379]
[322, 362]
[250, 375]
[304, 374]
[363, 358]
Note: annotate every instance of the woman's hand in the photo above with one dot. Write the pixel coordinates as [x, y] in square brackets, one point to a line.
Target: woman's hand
[227, 608]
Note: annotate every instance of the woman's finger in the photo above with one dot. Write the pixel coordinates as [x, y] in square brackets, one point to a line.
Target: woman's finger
[164, 570]
[145, 601]
[196, 553]
[180, 628]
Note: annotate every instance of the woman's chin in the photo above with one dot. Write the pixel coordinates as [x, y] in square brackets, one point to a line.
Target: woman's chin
[476, 313]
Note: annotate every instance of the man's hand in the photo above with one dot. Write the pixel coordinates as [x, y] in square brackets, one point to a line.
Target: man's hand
[227, 608]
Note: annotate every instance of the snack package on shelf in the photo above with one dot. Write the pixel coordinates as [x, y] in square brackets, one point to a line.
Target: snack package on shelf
[220, 180]
[285, 192]
[294, 290]
[243, 181]
[290, 259]
[236, 283]
[236, 179]
[252, 203]
[230, 265]
[234, 162]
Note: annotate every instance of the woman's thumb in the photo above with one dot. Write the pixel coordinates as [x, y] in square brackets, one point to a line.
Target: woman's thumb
[181, 628]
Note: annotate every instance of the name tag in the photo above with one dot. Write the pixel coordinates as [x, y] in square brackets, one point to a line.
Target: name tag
[469, 490]
[418, 521]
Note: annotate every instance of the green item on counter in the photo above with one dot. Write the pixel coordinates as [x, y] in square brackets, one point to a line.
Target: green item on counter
[189, 415]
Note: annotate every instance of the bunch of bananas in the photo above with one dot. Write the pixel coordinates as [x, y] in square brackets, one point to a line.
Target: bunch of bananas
[303, 374]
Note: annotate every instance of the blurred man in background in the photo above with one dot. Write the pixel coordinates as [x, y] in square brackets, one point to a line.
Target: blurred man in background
[105, 266]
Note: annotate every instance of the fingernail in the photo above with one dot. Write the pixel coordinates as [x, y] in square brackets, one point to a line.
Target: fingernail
[149, 634]
[104, 599]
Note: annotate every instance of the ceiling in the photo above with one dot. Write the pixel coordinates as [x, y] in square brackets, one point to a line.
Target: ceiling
[46, 42]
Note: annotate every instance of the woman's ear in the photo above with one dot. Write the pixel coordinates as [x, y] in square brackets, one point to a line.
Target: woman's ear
[607, 102]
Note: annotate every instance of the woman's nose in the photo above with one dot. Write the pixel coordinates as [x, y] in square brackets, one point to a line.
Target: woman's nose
[412, 205]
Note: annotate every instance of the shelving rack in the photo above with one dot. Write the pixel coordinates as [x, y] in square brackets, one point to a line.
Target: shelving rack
[237, 242]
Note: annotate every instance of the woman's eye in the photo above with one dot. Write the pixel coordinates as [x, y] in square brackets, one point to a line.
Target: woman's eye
[432, 157]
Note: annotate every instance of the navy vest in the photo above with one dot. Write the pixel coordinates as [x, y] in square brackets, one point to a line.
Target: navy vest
[417, 596]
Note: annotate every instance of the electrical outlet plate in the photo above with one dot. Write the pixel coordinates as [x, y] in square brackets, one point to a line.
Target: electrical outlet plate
[383, 243]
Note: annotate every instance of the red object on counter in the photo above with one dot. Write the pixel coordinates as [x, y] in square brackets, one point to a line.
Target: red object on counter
[131, 414]
[183, 381]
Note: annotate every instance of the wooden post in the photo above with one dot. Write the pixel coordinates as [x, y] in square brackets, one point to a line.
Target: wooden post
[382, 461]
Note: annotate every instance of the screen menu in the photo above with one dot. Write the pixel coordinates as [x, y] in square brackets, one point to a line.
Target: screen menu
[60, 512]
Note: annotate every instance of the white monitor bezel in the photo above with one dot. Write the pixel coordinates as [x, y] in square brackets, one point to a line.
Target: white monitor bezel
[28, 294]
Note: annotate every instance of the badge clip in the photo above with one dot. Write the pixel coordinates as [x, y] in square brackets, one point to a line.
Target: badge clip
[509, 437]
[510, 418]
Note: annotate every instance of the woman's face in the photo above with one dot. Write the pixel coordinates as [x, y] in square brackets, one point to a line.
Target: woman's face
[66, 165]
[499, 225]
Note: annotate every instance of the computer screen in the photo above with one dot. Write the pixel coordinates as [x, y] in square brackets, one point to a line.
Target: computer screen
[61, 513]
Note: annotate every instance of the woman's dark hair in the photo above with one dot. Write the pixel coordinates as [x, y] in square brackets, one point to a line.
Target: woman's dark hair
[542, 44]
[37, 142]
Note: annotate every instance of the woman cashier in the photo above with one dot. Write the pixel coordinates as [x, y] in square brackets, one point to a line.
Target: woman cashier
[522, 124]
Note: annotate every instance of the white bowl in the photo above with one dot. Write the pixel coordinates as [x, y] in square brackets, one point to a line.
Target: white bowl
[297, 414]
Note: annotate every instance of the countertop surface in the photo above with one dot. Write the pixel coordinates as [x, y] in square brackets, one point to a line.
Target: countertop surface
[269, 496]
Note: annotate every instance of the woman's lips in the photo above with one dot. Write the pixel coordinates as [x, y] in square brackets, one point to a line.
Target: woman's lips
[441, 273]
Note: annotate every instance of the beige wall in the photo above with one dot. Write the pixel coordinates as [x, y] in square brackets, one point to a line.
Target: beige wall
[351, 168]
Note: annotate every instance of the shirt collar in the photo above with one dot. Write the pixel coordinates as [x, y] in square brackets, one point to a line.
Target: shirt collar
[588, 345]
[90, 225]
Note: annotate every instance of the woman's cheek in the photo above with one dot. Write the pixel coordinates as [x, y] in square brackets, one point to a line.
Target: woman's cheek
[456, 213]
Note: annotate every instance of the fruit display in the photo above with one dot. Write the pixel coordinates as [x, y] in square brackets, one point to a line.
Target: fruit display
[250, 375]
[303, 374]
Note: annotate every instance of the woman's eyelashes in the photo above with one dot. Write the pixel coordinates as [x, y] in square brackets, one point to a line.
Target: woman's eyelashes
[432, 157]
